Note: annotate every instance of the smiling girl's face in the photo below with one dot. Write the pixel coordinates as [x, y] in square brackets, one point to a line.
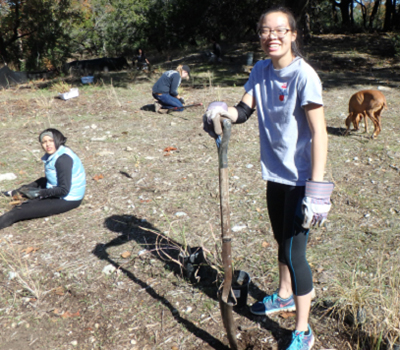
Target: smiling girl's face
[48, 145]
[279, 49]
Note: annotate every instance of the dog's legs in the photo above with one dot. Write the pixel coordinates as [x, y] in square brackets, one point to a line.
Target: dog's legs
[365, 121]
[379, 119]
[371, 114]
[348, 122]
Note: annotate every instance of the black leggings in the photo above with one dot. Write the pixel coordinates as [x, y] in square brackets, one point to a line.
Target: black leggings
[284, 208]
[37, 208]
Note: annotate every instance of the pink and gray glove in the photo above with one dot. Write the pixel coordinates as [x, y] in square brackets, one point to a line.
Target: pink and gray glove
[316, 203]
[212, 118]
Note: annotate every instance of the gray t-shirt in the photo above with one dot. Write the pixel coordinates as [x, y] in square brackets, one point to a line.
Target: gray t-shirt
[285, 136]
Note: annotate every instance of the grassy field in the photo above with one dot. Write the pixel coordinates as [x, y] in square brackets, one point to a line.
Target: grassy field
[107, 275]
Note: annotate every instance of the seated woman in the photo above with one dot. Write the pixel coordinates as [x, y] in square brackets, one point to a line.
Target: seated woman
[165, 90]
[62, 189]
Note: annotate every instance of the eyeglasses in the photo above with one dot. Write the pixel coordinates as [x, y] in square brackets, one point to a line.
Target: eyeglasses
[279, 32]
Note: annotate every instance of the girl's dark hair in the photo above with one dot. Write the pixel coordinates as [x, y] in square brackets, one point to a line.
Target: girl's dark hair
[58, 138]
[138, 51]
[292, 24]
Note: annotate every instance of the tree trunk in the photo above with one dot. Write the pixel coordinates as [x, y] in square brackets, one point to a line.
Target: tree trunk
[396, 17]
[351, 13]
[334, 13]
[388, 16]
[297, 6]
[3, 51]
[374, 12]
[344, 10]
[364, 13]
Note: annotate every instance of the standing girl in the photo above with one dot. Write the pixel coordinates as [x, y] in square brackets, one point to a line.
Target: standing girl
[293, 144]
[62, 189]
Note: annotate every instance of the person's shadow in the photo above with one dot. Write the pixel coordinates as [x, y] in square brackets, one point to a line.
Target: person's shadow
[170, 252]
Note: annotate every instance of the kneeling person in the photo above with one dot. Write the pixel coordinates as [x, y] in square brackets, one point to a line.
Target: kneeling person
[165, 90]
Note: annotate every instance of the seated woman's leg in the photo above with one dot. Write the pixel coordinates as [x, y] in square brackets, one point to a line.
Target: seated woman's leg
[37, 208]
[169, 102]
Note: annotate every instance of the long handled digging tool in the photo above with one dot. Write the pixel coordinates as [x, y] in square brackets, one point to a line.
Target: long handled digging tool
[225, 302]
[188, 106]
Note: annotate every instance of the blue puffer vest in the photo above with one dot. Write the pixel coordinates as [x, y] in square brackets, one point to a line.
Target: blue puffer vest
[78, 181]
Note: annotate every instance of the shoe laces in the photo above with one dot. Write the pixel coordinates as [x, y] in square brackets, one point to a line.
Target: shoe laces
[270, 297]
[297, 340]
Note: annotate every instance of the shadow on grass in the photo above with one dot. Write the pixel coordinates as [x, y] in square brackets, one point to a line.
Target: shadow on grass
[167, 250]
[336, 131]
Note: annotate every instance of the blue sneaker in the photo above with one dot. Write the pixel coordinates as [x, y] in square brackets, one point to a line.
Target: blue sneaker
[300, 341]
[272, 304]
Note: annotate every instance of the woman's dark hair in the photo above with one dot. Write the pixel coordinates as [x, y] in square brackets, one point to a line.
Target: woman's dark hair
[138, 51]
[292, 25]
[58, 138]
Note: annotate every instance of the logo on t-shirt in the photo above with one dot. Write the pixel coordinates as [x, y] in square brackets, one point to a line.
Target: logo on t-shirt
[283, 92]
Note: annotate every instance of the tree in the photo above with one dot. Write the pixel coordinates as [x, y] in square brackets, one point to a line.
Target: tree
[297, 6]
[374, 12]
[389, 15]
[363, 12]
[344, 6]
[35, 32]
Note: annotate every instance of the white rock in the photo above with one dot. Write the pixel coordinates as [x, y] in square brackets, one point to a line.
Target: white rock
[104, 153]
[384, 88]
[249, 166]
[180, 213]
[238, 228]
[355, 158]
[143, 251]
[74, 343]
[93, 126]
[103, 138]
[133, 342]
[12, 275]
[109, 269]
[189, 309]
[128, 149]
[7, 176]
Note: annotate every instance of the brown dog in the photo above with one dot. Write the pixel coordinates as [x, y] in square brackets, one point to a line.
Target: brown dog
[366, 103]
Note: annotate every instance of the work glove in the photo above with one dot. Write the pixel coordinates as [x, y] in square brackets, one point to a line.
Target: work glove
[212, 118]
[30, 193]
[13, 193]
[316, 203]
[181, 100]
